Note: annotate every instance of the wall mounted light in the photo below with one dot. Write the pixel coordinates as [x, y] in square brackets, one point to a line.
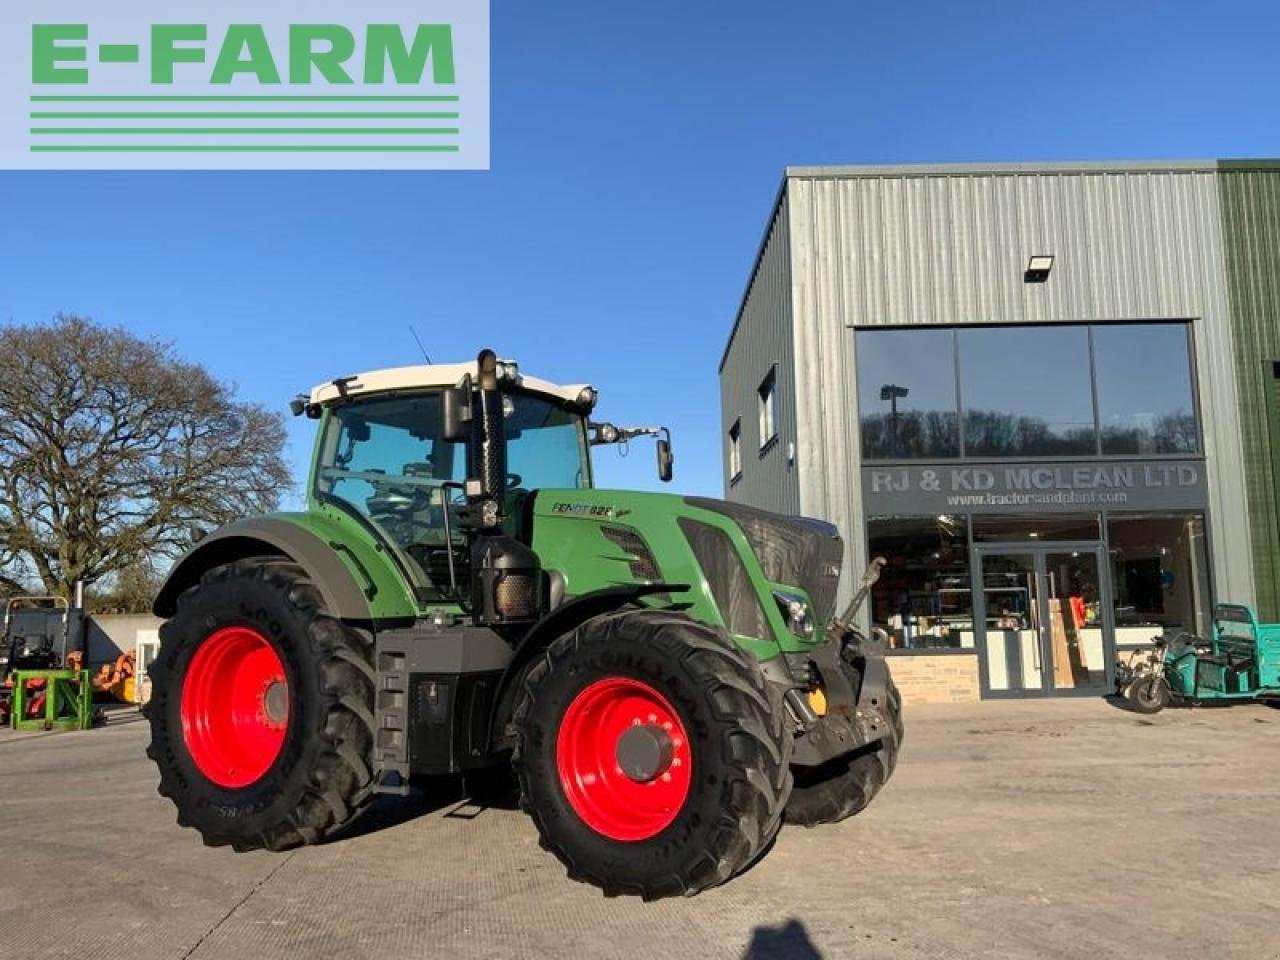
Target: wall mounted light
[1038, 268]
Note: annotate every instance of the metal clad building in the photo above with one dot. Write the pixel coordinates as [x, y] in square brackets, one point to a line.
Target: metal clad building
[1057, 467]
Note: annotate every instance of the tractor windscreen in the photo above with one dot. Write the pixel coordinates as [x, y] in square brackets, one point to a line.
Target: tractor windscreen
[385, 459]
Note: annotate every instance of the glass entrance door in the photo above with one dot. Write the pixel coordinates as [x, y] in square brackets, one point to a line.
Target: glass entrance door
[1010, 621]
[1044, 615]
[1073, 629]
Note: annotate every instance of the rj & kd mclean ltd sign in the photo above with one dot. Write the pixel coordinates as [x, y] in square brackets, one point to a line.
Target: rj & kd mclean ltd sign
[1033, 487]
[318, 84]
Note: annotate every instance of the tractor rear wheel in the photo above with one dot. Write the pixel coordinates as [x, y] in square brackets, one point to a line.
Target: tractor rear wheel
[651, 754]
[846, 785]
[262, 709]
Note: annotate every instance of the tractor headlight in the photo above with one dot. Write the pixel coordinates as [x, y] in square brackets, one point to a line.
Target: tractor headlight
[795, 611]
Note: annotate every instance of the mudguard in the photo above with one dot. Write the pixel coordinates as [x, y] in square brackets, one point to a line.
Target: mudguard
[344, 597]
[569, 615]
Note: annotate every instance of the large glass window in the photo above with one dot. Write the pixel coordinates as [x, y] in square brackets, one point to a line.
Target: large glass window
[1034, 528]
[1026, 391]
[1145, 400]
[907, 394]
[923, 599]
[1159, 574]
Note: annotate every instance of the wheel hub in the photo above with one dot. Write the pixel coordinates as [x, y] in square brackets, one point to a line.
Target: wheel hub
[234, 706]
[624, 759]
[275, 703]
[645, 752]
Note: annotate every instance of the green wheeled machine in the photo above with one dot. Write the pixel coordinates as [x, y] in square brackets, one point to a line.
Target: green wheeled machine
[664, 674]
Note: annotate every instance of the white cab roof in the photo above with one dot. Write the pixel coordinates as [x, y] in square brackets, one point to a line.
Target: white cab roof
[430, 375]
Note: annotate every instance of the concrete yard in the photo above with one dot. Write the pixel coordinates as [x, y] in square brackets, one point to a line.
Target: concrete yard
[1011, 829]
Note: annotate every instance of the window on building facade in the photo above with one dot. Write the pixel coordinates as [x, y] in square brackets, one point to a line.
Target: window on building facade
[1034, 528]
[768, 396]
[1145, 400]
[907, 394]
[923, 598]
[735, 451]
[1026, 391]
[1159, 575]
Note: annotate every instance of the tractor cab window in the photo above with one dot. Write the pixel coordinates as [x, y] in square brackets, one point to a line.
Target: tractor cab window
[385, 460]
[546, 445]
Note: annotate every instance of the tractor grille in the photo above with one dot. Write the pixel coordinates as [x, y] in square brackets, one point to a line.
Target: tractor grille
[643, 566]
[730, 586]
[796, 551]
[517, 594]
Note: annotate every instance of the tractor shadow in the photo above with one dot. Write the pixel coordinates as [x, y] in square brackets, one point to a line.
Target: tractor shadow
[787, 941]
[465, 797]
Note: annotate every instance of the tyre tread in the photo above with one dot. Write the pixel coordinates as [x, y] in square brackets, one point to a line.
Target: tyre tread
[754, 747]
[339, 655]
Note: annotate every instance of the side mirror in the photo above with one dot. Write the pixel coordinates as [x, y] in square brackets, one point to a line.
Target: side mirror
[666, 459]
[455, 413]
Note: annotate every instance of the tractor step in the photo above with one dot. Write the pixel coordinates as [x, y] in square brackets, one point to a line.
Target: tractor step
[436, 688]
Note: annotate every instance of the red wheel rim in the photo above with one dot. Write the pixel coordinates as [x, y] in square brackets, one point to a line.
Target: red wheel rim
[235, 706]
[620, 805]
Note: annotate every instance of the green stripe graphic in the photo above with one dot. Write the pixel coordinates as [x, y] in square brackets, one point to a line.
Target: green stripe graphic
[264, 98]
[239, 115]
[326, 131]
[244, 148]
[118, 53]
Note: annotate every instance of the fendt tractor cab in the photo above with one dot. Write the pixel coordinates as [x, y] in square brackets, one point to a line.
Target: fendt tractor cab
[664, 674]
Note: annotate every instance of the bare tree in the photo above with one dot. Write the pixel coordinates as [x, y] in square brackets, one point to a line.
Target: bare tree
[113, 451]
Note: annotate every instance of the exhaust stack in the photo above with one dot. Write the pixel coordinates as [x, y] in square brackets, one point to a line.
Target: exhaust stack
[506, 577]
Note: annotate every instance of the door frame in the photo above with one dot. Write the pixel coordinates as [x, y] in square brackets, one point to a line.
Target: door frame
[1039, 551]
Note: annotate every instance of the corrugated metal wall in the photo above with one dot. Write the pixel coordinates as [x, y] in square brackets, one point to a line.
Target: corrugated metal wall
[763, 339]
[1251, 211]
[951, 247]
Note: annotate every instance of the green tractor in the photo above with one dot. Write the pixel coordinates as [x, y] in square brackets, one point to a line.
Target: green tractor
[664, 675]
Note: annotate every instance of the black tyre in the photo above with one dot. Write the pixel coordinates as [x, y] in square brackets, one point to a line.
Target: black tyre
[697, 729]
[262, 710]
[846, 785]
[1149, 695]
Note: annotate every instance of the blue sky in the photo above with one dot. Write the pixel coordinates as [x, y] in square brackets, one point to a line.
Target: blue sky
[636, 151]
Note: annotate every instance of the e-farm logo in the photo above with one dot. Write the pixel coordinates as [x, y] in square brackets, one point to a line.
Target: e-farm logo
[403, 86]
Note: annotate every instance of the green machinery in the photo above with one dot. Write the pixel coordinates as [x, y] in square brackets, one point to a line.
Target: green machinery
[52, 700]
[1239, 661]
[39, 637]
[664, 676]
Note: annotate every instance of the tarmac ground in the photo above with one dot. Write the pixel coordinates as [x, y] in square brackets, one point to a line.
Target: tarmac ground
[1056, 829]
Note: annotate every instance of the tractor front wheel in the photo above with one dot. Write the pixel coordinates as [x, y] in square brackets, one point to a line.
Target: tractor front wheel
[262, 709]
[846, 785]
[651, 754]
